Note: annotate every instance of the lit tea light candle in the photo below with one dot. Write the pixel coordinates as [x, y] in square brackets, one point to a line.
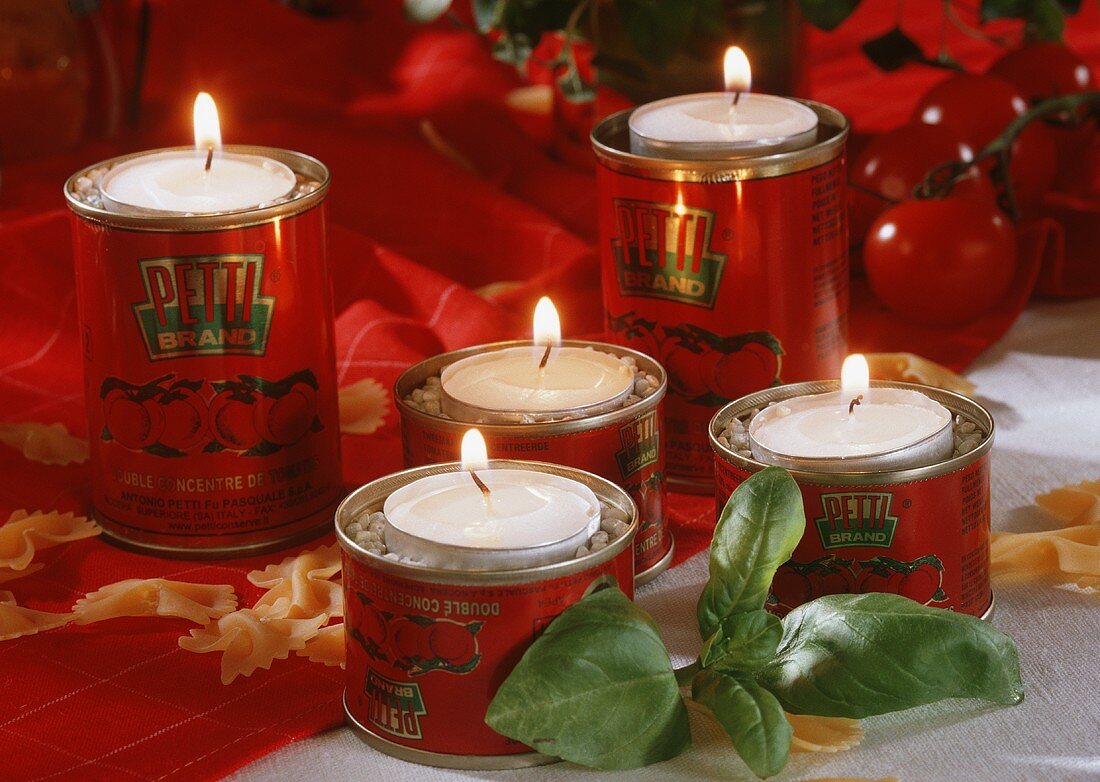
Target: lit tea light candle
[543, 381]
[205, 180]
[489, 519]
[716, 125]
[856, 429]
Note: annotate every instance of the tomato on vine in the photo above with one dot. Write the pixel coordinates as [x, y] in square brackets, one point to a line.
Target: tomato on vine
[940, 260]
[1044, 69]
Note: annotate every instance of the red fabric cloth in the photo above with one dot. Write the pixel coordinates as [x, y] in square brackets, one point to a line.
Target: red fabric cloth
[414, 234]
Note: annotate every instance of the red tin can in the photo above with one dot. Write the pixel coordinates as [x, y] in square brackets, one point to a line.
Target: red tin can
[921, 532]
[209, 370]
[624, 446]
[428, 648]
[732, 273]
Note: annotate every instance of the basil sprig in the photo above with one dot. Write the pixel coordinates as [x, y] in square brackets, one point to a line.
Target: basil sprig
[598, 687]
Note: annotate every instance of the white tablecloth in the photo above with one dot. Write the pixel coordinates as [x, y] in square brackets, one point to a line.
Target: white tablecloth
[1042, 384]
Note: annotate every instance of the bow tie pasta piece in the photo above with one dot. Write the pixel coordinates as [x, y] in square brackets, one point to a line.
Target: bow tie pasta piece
[363, 407]
[45, 443]
[7, 574]
[299, 587]
[248, 640]
[25, 533]
[915, 369]
[326, 647]
[198, 603]
[1070, 551]
[16, 621]
[1077, 503]
[824, 734]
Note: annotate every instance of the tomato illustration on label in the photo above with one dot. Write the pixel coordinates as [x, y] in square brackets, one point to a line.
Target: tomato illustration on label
[248, 415]
[796, 583]
[414, 643]
[707, 368]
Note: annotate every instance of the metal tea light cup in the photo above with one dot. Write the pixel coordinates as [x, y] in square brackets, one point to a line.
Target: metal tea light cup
[922, 532]
[733, 273]
[405, 697]
[625, 446]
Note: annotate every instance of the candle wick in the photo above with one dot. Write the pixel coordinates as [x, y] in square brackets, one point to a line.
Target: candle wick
[481, 485]
[545, 358]
[209, 157]
[853, 403]
[736, 97]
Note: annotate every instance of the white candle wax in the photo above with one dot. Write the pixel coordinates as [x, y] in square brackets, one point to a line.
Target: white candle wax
[529, 519]
[708, 126]
[177, 181]
[890, 429]
[509, 383]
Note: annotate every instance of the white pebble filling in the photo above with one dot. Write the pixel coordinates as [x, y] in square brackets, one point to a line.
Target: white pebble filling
[735, 436]
[426, 398]
[368, 531]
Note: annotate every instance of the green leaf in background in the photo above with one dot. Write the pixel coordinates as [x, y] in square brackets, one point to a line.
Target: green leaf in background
[423, 11]
[892, 50]
[759, 528]
[597, 688]
[744, 642]
[750, 715]
[658, 29]
[1045, 18]
[486, 13]
[862, 655]
[827, 14]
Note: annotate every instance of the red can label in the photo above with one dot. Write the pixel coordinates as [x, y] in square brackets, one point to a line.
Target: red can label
[627, 453]
[927, 540]
[732, 286]
[209, 382]
[424, 660]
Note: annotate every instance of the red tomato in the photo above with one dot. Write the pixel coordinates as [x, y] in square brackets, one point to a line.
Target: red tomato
[185, 420]
[373, 625]
[1032, 165]
[743, 372]
[231, 421]
[839, 582]
[922, 584]
[791, 588]
[684, 372]
[285, 420]
[870, 581]
[452, 643]
[940, 261]
[405, 640]
[976, 107]
[1044, 69]
[132, 424]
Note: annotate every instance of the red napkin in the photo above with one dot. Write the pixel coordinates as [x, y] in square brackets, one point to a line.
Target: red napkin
[418, 226]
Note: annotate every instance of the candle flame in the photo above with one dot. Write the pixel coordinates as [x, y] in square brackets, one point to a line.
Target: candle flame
[547, 326]
[208, 132]
[855, 376]
[475, 455]
[738, 73]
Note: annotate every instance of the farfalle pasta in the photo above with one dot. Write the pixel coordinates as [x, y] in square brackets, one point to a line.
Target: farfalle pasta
[363, 407]
[17, 621]
[915, 369]
[824, 734]
[1076, 503]
[45, 443]
[26, 533]
[198, 603]
[299, 587]
[249, 640]
[1072, 552]
[327, 647]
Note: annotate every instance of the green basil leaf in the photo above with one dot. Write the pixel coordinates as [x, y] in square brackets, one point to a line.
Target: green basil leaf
[597, 689]
[827, 14]
[759, 528]
[657, 29]
[744, 642]
[750, 715]
[424, 11]
[862, 655]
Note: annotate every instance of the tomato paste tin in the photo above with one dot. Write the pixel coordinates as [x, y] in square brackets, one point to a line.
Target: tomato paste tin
[733, 273]
[427, 648]
[921, 532]
[209, 371]
[625, 446]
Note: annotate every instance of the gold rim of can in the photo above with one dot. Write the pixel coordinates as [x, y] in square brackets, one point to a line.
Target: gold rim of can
[416, 375]
[959, 405]
[611, 143]
[300, 164]
[370, 497]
